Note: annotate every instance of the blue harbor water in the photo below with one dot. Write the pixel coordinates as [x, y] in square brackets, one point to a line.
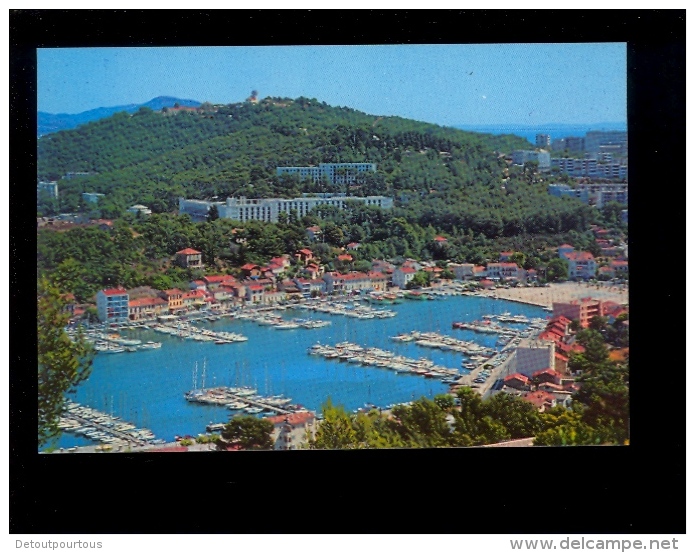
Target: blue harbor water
[147, 387]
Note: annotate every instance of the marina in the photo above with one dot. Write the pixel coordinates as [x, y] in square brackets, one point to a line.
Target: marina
[151, 394]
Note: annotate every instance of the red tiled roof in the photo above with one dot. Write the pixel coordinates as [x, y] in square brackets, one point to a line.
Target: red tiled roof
[561, 357]
[188, 251]
[619, 263]
[566, 246]
[315, 228]
[376, 274]
[345, 257]
[439, 239]
[407, 270]
[539, 398]
[306, 252]
[217, 278]
[293, 418]
[516, 376]
[249, 267]
[255, 287]
[114, 291]
[354, 276]
[173, 292]
[549, 371]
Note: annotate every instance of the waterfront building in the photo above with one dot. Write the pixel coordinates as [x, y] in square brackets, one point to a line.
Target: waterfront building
[49, 188]
[268, 209]
[522, 157]
[462, 271]
[504, 270]
[147, 308]
[580, 264]
[254, 293]
[112, 305]
[379, 281]
[91, 197]
[174, 298]
[189, 258]
[335, 173]
[402, 276]
[582, 310]
[309, 287]
[533, 355]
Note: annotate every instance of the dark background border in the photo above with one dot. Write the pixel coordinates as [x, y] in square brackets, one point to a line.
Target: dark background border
[640, 488]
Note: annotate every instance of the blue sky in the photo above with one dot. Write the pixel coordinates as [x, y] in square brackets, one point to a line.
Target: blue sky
[529, 84]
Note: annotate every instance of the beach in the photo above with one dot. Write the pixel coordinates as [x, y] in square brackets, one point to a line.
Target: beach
[563, 292]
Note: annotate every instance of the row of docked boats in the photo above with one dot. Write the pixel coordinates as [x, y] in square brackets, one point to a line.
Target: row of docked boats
[443, 342]
[277, 322]
[243, 399]
[97, 426]
[189, 332]
[375, 357]
[109, 347]
[353, 310]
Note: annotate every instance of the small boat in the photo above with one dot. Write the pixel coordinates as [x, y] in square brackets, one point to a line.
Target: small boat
[253, 410]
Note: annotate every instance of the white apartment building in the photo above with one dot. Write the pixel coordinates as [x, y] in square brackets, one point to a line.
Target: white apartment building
[268, 209]
[336, 173]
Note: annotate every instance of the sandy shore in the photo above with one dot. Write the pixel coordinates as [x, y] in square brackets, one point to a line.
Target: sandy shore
[563, 292]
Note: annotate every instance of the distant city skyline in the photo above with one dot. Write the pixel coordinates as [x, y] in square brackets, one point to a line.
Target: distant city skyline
[465, 84]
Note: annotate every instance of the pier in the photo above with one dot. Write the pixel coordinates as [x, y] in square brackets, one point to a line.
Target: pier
[356, 311]
[443, 342]
[230, 396]
[98, 426]
[353, 353]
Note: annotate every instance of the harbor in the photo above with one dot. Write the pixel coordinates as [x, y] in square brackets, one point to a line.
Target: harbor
[151, 394]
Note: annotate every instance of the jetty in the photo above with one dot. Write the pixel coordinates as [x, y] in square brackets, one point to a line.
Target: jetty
[97, 426]
[443, 342]
[375, 357]
[242, 399]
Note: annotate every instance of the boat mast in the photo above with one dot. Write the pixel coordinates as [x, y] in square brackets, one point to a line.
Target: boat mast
[195, 376]
[202, 386]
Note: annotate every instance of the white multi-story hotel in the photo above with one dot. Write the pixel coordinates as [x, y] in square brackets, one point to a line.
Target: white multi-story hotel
[268, 209]
[336, 173]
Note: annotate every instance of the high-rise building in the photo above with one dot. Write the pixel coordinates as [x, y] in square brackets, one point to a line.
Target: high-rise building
[543, 141]
[112, 305]
[521, 157]
[596, 139]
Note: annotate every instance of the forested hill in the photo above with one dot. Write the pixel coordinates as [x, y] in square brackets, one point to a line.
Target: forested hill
[152, 157]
